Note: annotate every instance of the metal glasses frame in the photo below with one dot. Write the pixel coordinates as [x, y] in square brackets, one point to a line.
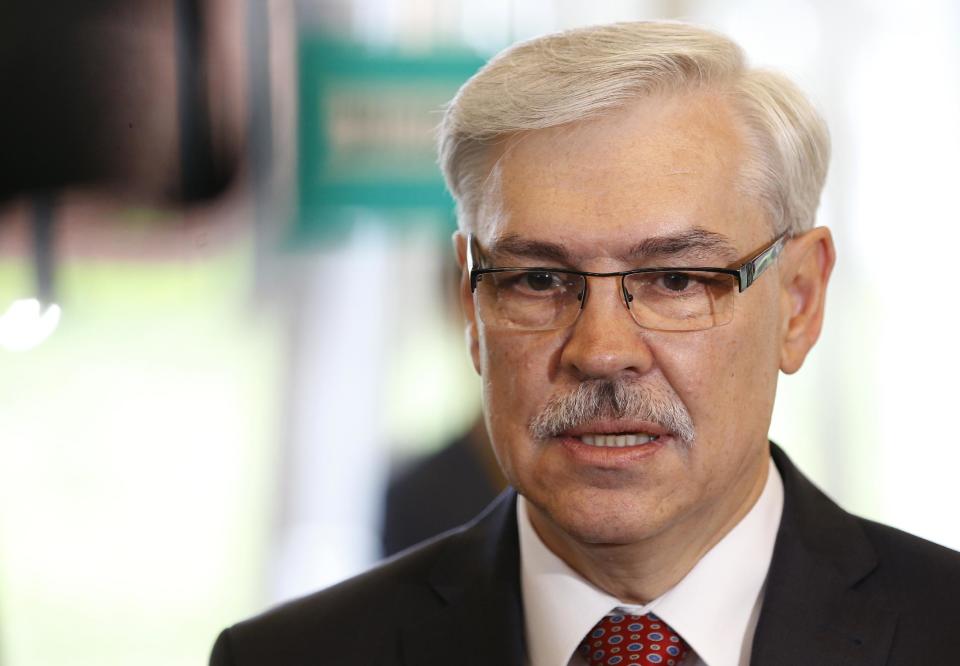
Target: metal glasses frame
[746, 274]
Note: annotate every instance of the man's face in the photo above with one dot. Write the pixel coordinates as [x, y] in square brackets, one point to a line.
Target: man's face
[663, 168]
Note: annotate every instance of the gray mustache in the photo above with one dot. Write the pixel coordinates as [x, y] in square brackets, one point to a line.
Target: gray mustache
[609, 399]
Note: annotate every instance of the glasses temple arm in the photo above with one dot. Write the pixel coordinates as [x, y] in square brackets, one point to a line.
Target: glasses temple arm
[472, 264]
[751, 270]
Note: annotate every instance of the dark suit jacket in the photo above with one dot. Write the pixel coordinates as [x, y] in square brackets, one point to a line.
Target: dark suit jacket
[841, 591]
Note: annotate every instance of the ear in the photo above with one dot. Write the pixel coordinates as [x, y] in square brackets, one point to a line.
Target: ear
[805, 271]
[466, 300]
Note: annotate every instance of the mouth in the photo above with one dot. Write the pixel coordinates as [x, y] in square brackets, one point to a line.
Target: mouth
[615, 434]
[617, 440]
[613, 445]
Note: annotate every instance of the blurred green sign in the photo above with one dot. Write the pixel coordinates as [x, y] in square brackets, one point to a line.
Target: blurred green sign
[367, 134]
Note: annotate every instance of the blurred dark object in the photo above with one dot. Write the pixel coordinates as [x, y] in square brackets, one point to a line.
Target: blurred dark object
[441, 491]
[43, 233]
[113, 94]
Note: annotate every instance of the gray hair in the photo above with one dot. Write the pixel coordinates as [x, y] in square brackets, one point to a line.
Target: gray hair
[583, 73]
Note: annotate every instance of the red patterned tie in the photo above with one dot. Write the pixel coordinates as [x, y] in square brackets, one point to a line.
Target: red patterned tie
[633, 639]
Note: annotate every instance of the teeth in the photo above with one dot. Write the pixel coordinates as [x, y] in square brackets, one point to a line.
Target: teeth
[617, 441]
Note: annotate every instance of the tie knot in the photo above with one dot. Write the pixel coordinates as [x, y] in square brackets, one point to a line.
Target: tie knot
[624, 640]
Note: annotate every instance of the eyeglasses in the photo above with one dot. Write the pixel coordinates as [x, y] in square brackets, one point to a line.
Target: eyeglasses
[662, 299]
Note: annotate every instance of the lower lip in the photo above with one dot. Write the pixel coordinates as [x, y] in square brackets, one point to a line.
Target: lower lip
[611, 456]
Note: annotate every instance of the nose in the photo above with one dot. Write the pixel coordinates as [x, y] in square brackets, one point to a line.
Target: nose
[605, 342]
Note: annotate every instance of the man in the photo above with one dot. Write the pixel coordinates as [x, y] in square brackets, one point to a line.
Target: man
[639, 263]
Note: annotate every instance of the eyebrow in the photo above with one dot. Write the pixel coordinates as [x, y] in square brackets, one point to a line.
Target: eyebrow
[698, 242]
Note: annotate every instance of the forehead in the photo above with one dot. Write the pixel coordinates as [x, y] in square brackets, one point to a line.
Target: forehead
[662, 166]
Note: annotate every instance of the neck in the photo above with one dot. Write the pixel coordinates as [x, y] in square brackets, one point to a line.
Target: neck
[641, 571]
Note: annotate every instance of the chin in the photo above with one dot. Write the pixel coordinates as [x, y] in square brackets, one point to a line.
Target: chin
[609, 535]
[605, 517]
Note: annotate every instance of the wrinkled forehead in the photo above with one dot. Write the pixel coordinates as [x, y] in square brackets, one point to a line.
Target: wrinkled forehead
[661, 166]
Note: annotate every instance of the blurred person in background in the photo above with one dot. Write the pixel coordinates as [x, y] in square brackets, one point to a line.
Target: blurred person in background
[639, 262]
[444, 489]
[440, 491]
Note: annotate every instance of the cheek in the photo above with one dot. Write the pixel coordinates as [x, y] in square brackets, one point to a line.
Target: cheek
[518, 354]
[702, 369]
[514, 368]
[726, 377]
[516, 371]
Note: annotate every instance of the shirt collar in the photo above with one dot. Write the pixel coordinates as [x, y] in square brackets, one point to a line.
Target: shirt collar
[560, 606]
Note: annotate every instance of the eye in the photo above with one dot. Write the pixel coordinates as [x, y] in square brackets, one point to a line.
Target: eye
[540, 281]
[676, 281]
[534, 283]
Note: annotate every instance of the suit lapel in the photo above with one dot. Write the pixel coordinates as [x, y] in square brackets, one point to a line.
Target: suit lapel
[813, 610]
[478, 581]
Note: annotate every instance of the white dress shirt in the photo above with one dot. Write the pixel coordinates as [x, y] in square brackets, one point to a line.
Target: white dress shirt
[714, 607]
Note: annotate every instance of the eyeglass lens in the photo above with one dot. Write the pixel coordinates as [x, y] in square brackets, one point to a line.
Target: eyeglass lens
[544, 300]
